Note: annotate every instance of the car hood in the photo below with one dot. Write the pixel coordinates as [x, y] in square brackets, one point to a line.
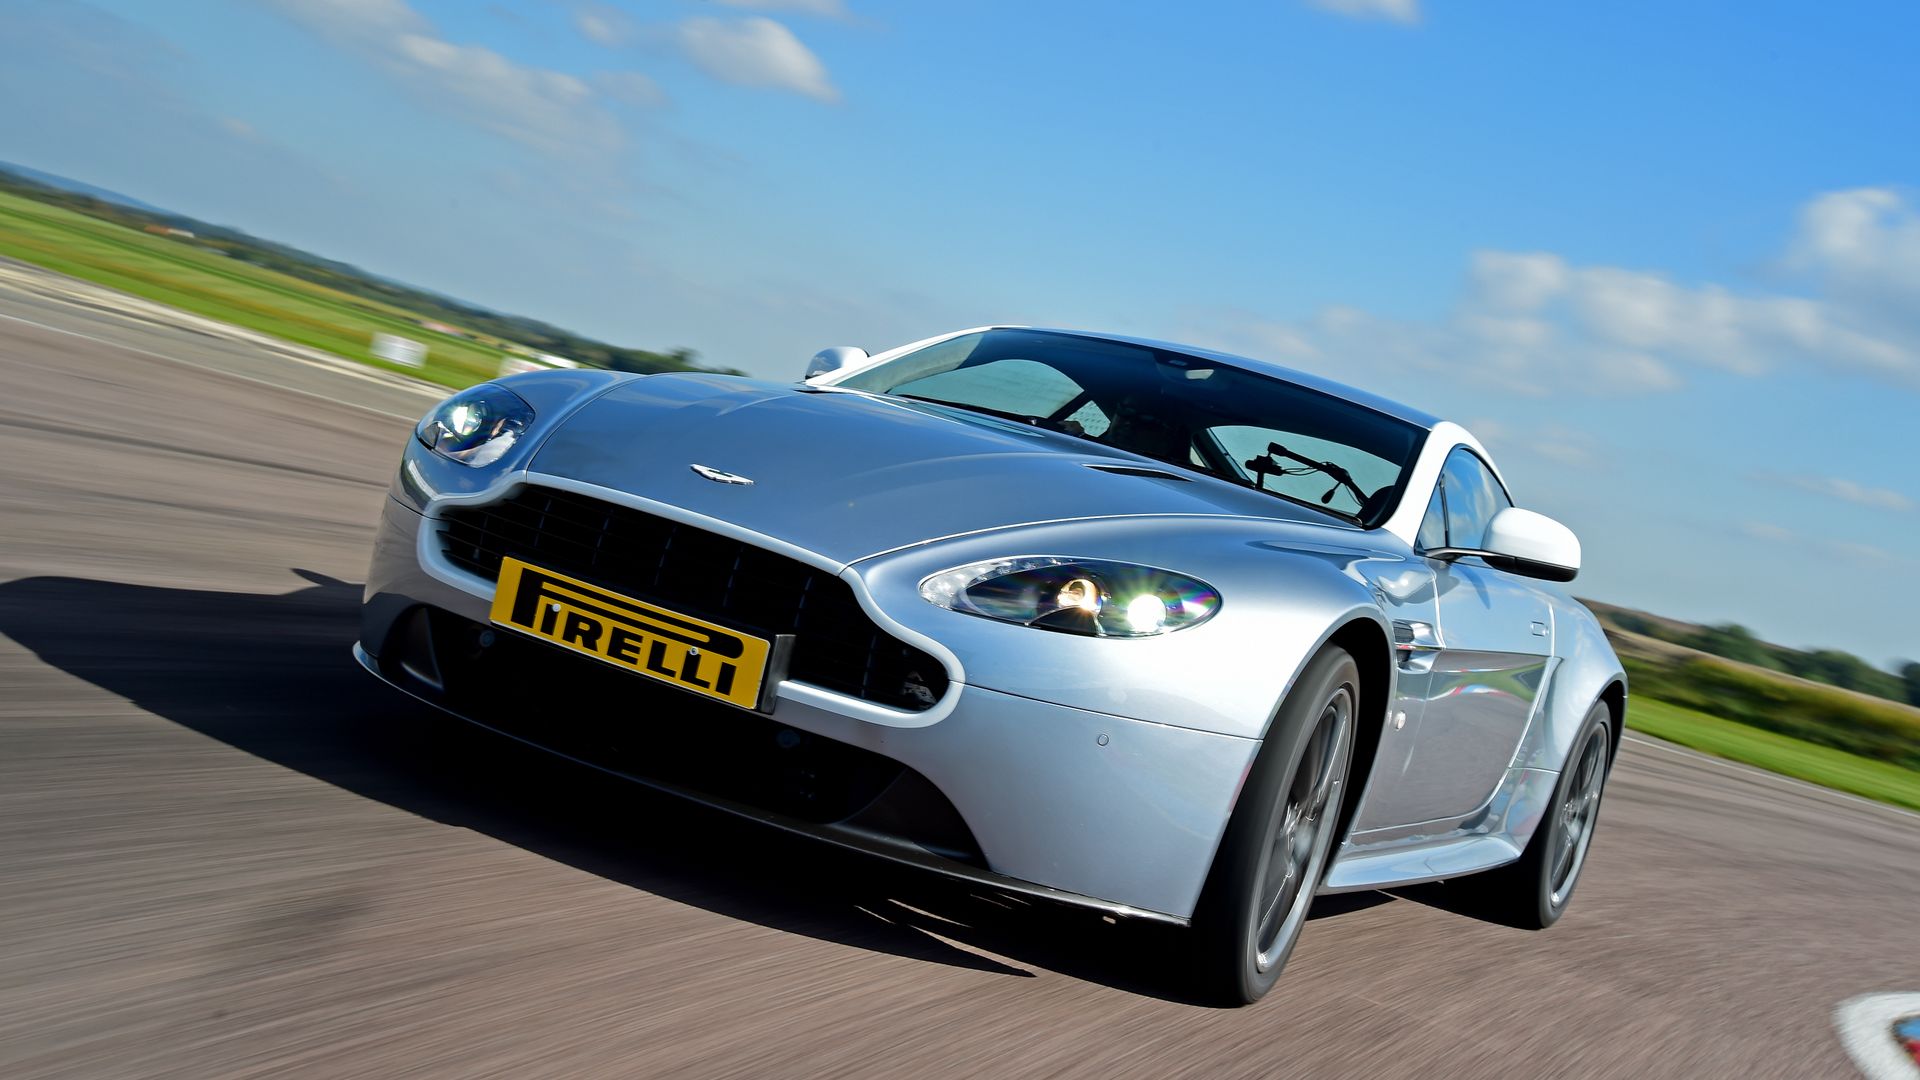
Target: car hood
[849, 475]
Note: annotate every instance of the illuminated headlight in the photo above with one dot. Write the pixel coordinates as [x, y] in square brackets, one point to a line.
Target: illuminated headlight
[476, 426]
[1075, 596]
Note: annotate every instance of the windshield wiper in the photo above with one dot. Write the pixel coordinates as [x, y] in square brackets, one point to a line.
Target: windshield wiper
[1266, 465]
[1257, 466]
[1239, 481]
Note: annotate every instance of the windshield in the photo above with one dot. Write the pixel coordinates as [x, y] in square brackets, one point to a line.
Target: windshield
[1279, 437]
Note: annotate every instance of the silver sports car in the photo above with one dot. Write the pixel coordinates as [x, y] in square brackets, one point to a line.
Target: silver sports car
[1172, 634]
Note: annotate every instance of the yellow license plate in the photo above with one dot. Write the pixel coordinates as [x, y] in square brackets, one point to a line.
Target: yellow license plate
[665, 645]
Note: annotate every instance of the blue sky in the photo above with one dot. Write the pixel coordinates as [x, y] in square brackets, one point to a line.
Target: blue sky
[1664, 258]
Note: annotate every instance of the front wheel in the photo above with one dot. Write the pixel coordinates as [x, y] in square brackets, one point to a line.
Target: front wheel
[1534, 892]
[1276, 846]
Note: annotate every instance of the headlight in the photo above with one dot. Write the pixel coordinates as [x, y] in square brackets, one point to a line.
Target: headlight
[476, 426]
[1076, 596]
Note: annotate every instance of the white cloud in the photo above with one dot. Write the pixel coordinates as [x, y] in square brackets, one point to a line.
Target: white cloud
[1837, 487]
[1533, 323]
[828, 9]
[1863, 249]
[1853, 551]
[1649, 314]
[347, 21]
[1525, 354]
[604, 25]
[1508, 281]
[755, 51]
[1762, 530]
[1557, 443]
[1849, 551]
[630, 87]
[1401, 11]
[1867, 238]
[553, 112]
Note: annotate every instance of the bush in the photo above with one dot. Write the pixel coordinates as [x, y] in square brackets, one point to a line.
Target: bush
[1834, 718]
[1735, 642]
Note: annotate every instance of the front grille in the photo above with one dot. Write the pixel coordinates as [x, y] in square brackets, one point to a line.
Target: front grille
[836, 646]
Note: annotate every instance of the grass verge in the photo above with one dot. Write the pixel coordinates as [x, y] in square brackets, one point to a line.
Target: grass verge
[1782, 754]
[177, 272]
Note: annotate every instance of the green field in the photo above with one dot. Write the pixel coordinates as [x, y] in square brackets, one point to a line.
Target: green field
[174, 271]
[1776, 753]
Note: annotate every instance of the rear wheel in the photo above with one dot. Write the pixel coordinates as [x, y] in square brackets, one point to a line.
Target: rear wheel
[1533, 893]
[1277, 844]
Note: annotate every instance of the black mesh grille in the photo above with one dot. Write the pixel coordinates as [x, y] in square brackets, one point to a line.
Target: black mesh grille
[836, 646]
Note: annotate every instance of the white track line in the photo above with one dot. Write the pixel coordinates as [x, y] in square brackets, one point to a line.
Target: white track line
[1866, 1030]
[237, 375]
[1762, 774]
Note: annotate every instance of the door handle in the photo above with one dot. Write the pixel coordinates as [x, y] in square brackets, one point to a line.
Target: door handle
[1539, 628]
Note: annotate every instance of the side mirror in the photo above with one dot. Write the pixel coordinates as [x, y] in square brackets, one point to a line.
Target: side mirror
[1524, 542]
[833, 359]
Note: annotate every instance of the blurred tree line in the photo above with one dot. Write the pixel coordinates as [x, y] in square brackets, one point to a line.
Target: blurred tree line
[1883, 731]
[1830, 666]
[353, 281]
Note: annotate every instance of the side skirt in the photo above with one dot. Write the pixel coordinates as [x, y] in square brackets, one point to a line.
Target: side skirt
[1409, 854]
[1361, 871]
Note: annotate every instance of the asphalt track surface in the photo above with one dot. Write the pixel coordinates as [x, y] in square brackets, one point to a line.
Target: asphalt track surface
[224, 850]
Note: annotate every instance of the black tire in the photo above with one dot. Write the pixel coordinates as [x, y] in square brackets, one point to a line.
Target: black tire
[1252, 910]
[1534, 892]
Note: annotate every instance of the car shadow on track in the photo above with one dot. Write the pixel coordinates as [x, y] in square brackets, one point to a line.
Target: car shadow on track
[271, 674]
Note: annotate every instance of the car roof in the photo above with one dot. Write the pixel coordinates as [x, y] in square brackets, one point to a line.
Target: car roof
[1342, 391]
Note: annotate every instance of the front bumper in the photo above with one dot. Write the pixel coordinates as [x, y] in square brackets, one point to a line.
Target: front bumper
[1015, 793]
